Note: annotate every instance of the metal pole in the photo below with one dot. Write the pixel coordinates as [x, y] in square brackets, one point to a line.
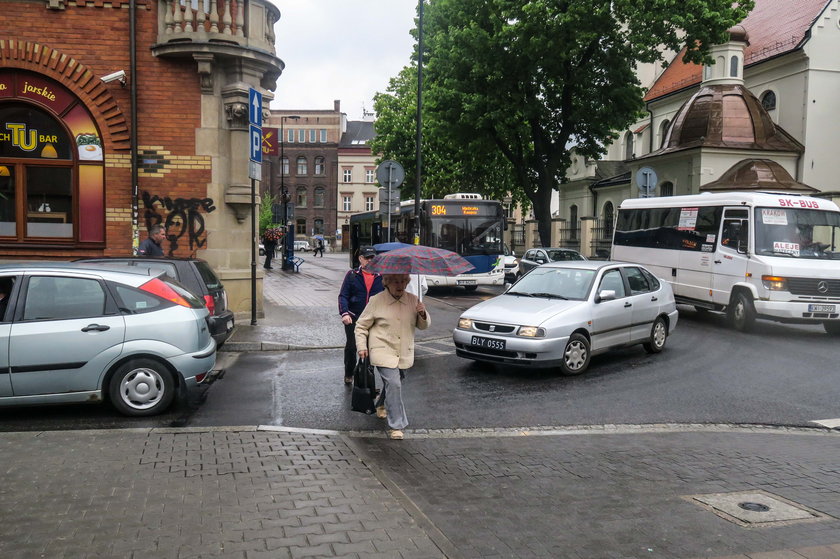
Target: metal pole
[419, 122]
[253, 252]
[390, 200]
[283, 194]
[132, 76]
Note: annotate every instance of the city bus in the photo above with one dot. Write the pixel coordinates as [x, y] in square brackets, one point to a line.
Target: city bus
[750, 254]
[463, 223]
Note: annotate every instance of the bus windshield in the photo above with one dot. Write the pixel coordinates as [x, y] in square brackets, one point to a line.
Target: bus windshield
[797, 233]
[467, 235]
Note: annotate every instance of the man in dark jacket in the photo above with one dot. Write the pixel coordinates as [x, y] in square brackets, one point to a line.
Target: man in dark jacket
[151, 246]
[358, 287]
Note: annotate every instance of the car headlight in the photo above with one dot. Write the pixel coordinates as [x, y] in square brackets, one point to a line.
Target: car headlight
[531, 331]
[465, 323]
[774, 283]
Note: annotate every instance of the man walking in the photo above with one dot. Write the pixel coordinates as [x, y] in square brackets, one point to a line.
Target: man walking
[151, 246]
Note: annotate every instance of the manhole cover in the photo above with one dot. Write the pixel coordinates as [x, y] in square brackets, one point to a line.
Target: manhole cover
[755, 508]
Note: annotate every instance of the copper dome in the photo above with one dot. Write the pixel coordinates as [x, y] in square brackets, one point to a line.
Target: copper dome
[757, 174]
[726, 116]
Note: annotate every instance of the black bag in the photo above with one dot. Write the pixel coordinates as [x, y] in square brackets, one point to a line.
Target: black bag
[364, 387]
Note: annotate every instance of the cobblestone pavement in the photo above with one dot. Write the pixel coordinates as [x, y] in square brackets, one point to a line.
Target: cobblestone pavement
[614, 492]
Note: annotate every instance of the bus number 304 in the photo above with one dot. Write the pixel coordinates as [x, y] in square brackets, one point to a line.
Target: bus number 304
[438, 209]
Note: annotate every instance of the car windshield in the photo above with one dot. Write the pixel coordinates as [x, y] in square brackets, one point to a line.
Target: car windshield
[563, 255]
[559, 283]
[797, 233]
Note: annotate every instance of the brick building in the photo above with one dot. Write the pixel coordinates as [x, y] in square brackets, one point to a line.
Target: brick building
[67, 151]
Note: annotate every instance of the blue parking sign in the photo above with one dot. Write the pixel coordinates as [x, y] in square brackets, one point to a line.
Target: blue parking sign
[255, 143]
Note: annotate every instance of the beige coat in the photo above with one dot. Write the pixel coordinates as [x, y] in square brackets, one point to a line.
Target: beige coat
[386, 329]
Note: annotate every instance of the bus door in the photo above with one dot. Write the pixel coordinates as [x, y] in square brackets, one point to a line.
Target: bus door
[697, 232]
[730, 258]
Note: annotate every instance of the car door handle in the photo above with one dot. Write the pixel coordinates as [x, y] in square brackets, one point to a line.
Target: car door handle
[628, 305]
[97, 327]
[717, 261]
[654, 298]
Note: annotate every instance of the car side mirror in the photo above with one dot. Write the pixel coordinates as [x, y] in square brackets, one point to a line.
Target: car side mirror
[540, 261]
[605, 295]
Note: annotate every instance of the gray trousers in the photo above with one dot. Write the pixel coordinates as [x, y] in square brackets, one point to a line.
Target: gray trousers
[392, 384]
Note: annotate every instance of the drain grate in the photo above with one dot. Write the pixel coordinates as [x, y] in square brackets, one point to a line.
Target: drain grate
[756, 508]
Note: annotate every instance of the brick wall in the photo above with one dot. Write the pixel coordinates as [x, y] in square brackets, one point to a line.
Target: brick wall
[77, 45]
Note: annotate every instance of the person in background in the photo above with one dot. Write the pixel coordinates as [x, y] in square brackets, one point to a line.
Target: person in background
[357, 288]
[385, 332]
[152, 245]
[269, 246]
[319, 247]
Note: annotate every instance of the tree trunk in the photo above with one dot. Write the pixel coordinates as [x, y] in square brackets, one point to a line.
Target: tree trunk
[542, 211]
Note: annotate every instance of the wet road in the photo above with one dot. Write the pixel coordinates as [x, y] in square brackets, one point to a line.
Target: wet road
[780, 375]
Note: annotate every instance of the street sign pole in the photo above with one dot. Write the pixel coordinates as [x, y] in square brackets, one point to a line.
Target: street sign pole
[390, 179]
[390, 175]
[255, 157]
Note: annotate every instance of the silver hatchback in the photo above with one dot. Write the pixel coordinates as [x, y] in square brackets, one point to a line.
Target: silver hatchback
[562, 313]
[74, 334]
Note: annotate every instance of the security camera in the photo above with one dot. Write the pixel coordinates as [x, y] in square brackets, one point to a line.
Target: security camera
[118, 76]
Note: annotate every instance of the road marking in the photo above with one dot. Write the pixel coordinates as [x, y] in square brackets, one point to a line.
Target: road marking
[830, 423]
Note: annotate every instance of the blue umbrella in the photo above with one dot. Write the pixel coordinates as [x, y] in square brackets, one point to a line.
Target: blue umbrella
[385, 247]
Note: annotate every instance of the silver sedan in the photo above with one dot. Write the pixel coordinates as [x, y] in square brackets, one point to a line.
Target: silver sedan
[562, 313]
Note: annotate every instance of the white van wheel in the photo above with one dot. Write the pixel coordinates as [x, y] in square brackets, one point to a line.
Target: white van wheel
[741, 312]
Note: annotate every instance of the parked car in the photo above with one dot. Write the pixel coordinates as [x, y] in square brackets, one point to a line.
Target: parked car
[302, 246]
[537, 256]
[82, 333]
[562, 313]
[511, 265]
[197, 276]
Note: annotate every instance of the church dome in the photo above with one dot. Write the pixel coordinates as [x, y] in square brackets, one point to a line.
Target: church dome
[757, 174]
[726, 116]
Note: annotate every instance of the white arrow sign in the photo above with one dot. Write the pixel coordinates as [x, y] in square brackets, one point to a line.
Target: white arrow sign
[255, 106]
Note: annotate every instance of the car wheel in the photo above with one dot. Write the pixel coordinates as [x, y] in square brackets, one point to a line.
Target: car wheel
[658, 336]
[470, 287]
[141, 387]
[832, 327]
[741, 312]
[576, 355]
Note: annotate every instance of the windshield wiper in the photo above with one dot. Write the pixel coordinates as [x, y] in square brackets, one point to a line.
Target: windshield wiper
[546, 295]
[777, 253]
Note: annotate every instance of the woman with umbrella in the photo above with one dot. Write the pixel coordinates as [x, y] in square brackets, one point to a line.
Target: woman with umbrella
[385, 332]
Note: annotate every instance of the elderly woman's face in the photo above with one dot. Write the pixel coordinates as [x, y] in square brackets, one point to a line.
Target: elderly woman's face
[396, 283]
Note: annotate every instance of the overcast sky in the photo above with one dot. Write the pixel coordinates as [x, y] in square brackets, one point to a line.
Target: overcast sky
[340, 49]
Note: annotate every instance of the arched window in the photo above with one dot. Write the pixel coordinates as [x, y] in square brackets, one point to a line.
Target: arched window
[301, 166]
[318, 227]
[768, 100]
[285, 165]
[663, 132]
[573, 221]
[320, 168]
[628, 145]
[38, 194]
[666, 189]
[301, 197]
[609, 217]
[733, 67]
[319, 197]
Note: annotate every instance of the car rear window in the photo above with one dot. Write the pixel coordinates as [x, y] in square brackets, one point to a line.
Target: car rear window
[208, 276]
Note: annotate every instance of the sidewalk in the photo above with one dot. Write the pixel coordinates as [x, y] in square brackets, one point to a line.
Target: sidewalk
[301, 310]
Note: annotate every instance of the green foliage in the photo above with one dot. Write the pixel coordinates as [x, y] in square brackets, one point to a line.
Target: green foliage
[510, 86]
[265, 215]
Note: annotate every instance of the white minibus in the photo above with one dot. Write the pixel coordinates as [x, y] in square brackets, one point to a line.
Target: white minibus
[751, 254]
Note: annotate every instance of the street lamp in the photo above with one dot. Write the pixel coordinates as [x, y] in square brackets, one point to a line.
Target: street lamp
[288, 238]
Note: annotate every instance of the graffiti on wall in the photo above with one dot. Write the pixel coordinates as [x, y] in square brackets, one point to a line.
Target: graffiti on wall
[183, 219]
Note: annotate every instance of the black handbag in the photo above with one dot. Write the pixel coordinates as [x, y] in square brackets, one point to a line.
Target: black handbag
[364, 387]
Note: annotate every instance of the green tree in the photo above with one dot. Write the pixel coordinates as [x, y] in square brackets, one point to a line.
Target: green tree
[266, 217]
[521, 82]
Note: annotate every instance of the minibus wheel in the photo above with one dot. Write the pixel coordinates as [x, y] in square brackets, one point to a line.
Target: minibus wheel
[741, 312]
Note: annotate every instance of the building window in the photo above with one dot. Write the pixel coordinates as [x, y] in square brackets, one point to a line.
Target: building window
[290, 135]
[667, 189]
[285, 166]
[663, 132]
[300, 225]
[768, 100]
[573, 222]
[348, 175]
[319, 197]
[628, 145]
[369, 203]
[370, 175]
[323, 135]
[609, 217]
[733, 67]
[348, 200]
[301, 136]
[301, 197]
[320, 168]
[301, 166]
[319, 227]
[312, 136]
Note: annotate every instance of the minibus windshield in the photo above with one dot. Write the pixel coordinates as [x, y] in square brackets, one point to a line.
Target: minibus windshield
[797, 233]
